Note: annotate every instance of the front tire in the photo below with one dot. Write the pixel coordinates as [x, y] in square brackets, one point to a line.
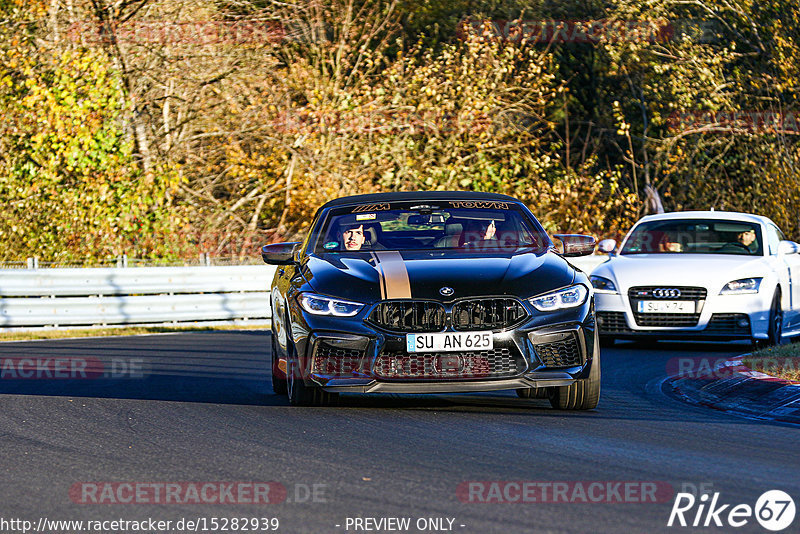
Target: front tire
[582, 394]
[299, 393]
[532, 393]
[775, 327]
[279, 386]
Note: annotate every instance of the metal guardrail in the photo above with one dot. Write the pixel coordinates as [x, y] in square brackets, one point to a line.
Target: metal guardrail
[118, 296]
[134, 281]
[122, 296]
[203, 259]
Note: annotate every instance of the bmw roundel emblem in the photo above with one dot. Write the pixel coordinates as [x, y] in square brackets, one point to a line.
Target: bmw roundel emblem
[446, 291]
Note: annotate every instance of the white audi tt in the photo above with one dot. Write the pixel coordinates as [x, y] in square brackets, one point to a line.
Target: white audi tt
[700, 275]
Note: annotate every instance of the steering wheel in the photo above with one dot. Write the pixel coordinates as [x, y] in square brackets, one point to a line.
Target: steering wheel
[742, 245]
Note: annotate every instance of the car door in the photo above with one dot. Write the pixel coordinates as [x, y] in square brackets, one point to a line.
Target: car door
[789, 271]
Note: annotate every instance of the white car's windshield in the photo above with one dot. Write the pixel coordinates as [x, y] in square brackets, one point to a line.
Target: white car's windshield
[695, 236]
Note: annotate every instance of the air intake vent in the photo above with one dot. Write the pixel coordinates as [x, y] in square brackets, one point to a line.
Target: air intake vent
[497, 363]
[564, 352]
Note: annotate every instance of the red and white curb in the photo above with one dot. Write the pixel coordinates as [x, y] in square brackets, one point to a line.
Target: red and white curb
[733, 387]
[737, 365]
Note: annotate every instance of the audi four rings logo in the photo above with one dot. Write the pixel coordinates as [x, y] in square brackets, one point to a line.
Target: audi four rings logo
[666, 293]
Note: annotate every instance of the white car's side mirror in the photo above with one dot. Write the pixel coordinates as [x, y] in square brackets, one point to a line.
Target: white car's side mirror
[788, 247]
[607, 246]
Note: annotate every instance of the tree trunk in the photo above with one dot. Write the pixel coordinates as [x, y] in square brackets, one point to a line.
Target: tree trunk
[652, 200]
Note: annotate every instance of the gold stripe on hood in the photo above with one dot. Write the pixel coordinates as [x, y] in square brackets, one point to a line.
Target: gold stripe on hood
[381, 278]
[393, 274]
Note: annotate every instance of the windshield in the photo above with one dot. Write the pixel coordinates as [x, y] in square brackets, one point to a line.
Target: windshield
[474, 225]
[691, 236]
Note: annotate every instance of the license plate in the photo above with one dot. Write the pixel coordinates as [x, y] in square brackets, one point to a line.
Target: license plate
[449, 342]
[666, 306]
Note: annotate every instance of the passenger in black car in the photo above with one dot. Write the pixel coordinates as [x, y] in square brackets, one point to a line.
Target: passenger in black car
[489, 230]
[477, 231]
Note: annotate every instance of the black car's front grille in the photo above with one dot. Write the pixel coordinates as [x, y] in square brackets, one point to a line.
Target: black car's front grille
[564, 352]
[612, 323]
[487, 314]
[430, 316]
[409, 316]
[729, 324]
[694, 294]
[335, 361]
[496, 363]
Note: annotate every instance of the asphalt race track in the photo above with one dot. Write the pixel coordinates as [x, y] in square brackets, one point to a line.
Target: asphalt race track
[199, 407]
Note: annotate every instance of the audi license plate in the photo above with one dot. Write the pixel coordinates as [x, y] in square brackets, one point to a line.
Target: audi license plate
[449, 342]
[666, 306]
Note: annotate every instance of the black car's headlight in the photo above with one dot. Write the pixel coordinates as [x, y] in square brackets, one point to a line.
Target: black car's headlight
[571, 297]
[602, 285]
[743, 286]
[322, 305]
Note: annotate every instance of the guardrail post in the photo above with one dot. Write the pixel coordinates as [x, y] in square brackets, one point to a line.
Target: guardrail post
[33, 263]
[205, 259]
[122, 261]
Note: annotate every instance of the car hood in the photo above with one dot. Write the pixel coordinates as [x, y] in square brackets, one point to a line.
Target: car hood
[702, 270]
[365, 277]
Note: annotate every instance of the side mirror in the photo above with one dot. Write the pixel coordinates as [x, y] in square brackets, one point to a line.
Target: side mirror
[788, 247]
[279, 253]
[576, 244]
[607, 246]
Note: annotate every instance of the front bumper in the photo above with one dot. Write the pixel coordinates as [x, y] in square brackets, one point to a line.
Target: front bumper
[548, 350]
[375, 386]
[720, 317]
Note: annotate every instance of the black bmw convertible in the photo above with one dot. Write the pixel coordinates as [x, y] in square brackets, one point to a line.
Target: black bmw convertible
[432, 292]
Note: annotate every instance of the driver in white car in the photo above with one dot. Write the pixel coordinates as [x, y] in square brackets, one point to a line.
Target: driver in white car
[745, 239]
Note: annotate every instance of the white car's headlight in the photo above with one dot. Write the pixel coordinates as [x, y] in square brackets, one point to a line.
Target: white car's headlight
[742, 286]
[602, 285]
[321, 305]
[571, 297]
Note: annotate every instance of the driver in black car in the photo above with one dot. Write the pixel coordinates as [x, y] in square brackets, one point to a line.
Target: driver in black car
[352, 236]
[745, 239]
[359, 236]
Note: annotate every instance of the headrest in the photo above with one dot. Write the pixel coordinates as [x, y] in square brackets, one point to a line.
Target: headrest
[454, 228]
[370, 235]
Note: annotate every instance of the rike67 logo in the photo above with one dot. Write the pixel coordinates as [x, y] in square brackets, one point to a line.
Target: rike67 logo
[774, 510]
